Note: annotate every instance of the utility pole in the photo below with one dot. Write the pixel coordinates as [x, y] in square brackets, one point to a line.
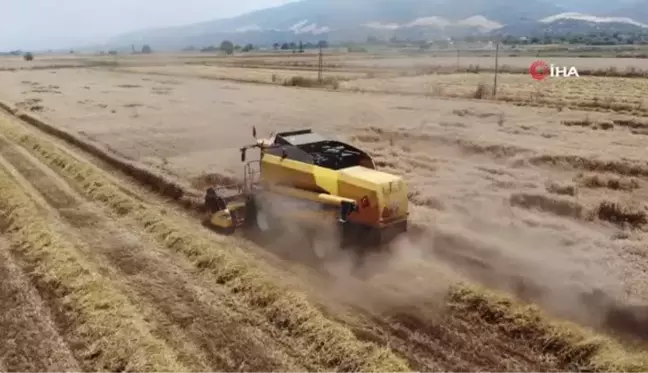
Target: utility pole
[320, 65]
[497, 45]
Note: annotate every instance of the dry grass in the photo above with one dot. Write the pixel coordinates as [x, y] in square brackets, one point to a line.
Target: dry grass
[341, 63]
[611, 211]
[30, 341]
[580, 349]
[568, 189]
[609, 181]
[109, 332]
[269, 76]
[604, 85]
[622, 213]
[300, 81]
[558, 205]
[589, 93]
[334, 346]
[570, 343]
[472, 156]
[488, 63]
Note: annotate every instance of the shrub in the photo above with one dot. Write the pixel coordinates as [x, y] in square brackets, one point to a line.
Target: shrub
[302, 81]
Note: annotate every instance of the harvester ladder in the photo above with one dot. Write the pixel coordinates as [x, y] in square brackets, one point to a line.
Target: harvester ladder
[251, 175]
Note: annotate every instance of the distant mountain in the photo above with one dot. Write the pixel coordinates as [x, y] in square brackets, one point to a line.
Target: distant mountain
[339, 20]
[344, 20]
[592, 19]
[573, 24]
[567, 26]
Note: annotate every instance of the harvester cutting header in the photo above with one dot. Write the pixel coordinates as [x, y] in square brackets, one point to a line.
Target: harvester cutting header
[303, 177]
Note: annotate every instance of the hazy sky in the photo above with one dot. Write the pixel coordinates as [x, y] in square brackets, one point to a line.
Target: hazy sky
[35, 24]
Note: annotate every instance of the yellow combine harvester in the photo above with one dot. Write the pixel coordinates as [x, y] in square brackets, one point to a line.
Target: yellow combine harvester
[305, 180]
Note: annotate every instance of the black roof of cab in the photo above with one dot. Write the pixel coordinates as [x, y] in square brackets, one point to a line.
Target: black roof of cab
[312, 148]
[299, 137]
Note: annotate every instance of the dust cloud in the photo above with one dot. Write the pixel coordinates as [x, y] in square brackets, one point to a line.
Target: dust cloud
[418, 268]
[536, 267]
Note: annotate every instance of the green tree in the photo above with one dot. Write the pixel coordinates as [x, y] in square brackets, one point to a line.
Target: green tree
[227, 47]
[146, 49]
[248, 47]
[28, 56]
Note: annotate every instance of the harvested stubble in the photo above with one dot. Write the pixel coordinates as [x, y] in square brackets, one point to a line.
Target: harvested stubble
[333, 346]
[584, 93]
[613, 182]
[245, 75]
[574, 345]
[108, 332]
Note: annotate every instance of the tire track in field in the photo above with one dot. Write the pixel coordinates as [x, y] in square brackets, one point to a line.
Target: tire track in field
[210, 330]
[430, 345]
[473, 341]
[449, 339]
[514, 341]
[29, 340]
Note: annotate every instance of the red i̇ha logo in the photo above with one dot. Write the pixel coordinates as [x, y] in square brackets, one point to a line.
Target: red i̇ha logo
[540, 70]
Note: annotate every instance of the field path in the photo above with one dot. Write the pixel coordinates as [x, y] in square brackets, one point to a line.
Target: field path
[29, 340]
[210, 330]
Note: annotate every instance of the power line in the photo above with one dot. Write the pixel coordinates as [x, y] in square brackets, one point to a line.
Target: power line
[320, 65]
[497, 46]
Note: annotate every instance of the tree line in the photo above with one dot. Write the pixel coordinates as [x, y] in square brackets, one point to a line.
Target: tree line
[594, 38]
[588, 38]
[229, 47]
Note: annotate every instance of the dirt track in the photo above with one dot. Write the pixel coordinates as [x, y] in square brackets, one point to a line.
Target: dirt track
[127, 280]
[30, 339]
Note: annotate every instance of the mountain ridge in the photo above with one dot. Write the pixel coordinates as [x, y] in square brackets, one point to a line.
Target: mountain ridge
[339, 21]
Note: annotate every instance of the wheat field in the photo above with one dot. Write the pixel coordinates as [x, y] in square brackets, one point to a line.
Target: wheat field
[527, 249]
[625, 95]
